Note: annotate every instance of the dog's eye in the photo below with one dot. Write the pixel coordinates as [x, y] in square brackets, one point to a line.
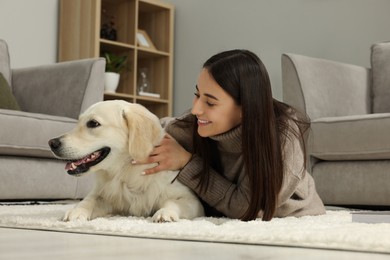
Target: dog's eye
[93, 123]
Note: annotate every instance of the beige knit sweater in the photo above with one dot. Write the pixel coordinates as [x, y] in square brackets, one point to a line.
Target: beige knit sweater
[228, 192]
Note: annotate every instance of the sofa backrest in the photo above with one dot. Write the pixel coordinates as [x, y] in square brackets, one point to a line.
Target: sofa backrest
[380, 64]
[323, 88]
[5, 67]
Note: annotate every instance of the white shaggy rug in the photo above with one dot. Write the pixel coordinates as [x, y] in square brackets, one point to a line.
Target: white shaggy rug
[334, 230]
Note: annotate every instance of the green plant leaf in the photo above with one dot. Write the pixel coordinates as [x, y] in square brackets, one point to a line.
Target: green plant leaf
[115, 63]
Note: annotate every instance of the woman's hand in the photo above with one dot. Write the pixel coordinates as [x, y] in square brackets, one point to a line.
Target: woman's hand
[169, 155]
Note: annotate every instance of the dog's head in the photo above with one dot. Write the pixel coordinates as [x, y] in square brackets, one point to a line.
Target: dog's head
[107, 133]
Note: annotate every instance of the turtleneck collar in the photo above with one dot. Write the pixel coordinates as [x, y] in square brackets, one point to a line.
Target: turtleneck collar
[230, 141]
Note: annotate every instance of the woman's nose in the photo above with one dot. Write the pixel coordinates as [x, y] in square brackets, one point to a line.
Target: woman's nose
[196, 107]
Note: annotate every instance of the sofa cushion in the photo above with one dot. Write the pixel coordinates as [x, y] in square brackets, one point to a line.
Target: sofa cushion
[363, 137]
[7, 100]
[380, 64]
[27, 134]
[5, 67]
[353, 182]
[31, 178]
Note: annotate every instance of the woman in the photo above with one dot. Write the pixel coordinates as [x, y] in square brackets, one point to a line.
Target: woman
[239, 149]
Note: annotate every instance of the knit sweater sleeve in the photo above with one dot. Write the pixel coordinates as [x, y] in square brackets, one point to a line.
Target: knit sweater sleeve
[228, 197]
[294, 171]
[298, 195]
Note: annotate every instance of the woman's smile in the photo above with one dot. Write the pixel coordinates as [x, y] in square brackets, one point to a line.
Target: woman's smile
[215, 109]
[202, 122]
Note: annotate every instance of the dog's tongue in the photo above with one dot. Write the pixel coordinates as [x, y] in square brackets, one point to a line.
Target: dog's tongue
[86, 159]
[73, 165]
[68, 166]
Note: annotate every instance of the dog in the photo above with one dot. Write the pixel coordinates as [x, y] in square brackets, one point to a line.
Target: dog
[107, 138]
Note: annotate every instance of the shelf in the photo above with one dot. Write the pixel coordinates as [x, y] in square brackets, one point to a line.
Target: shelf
[153, 5]
[105, 42]
[150, 53]
[118, 95]
[152, 100]
[122, 14]
[111, 95]
[156, 19]
[81, 36]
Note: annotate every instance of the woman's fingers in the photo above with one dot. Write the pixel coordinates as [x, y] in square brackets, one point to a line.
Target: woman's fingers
[169, 155]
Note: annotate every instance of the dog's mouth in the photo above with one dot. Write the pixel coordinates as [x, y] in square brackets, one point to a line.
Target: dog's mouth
[79, 166]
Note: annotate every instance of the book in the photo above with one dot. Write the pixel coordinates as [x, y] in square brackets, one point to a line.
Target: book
[371, 216]
[148, 94]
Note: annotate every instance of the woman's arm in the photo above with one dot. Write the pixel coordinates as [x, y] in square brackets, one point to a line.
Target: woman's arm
[229, 198]
[169, 155]
[293, 167]
[175, 153]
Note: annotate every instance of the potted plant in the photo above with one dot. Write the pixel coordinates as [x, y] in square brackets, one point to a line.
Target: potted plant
[115, 64]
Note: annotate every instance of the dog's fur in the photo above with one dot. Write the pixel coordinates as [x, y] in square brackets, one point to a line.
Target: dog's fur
[108, 136]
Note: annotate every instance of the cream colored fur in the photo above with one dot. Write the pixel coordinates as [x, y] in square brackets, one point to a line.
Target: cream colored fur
[131, 132]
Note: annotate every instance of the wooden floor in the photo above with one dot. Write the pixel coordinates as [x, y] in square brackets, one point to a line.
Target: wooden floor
[41, 245]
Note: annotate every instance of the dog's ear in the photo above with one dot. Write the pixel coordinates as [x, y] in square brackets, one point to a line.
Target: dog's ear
[144, 130]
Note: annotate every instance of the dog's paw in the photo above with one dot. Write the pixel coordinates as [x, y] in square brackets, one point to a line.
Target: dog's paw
[165, 215]
[77, 214]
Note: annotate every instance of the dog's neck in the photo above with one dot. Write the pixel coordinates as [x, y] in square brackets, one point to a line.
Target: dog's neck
[127, 171]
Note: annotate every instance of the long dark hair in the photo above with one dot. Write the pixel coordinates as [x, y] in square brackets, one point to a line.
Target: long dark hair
[266, 123]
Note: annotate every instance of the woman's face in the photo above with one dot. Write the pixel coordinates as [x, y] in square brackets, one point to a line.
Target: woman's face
[215, 109]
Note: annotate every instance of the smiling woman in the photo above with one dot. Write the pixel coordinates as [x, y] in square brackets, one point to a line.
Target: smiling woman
[217, 112]
[240, 150]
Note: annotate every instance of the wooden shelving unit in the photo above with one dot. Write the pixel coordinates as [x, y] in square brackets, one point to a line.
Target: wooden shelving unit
[79, 38]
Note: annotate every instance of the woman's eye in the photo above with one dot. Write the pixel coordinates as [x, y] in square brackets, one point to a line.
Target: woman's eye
[197, 95]
[93, 124]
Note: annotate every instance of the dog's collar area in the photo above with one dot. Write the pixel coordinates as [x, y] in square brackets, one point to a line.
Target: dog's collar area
[79, 166]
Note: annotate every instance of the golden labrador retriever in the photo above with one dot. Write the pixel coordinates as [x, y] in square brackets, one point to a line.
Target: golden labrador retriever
[108, 136]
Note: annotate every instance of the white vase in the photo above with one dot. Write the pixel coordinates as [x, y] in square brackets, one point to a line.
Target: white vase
[111, 81]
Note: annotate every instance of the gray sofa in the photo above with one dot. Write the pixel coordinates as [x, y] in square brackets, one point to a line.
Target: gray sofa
[349, 108]
[51, 98]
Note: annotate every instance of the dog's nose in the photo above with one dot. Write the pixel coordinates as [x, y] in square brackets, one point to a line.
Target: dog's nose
[55, 143]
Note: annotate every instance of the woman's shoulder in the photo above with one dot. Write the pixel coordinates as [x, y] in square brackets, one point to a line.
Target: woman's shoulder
[294, 124]
[180, 128]
[169, 120]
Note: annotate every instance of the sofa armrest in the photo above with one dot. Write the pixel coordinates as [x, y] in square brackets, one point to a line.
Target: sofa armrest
[61, 89]
[323, 88]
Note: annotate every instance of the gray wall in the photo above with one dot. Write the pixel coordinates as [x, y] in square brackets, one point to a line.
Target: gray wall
[341, 30]
[30, 29]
